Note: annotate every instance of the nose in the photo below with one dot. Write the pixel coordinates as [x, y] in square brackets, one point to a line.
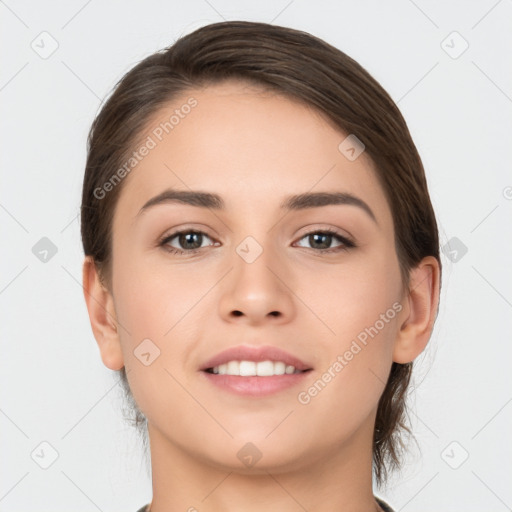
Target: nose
[259, 290]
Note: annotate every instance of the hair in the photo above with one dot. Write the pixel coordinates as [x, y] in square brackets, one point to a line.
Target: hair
[301, 67]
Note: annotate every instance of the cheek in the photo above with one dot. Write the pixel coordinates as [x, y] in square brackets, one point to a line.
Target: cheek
[339, 400]
[160, 303]
[152, 298]
[353, 372]
[360, 304]
[354, 295]
[155, 306]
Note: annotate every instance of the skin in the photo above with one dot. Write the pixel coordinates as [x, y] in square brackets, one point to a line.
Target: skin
[254, 148]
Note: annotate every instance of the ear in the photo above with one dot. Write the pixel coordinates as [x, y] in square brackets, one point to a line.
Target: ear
[100, 305]
[420, 311]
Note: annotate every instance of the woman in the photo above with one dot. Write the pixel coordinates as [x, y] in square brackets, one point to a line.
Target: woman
[262, 268]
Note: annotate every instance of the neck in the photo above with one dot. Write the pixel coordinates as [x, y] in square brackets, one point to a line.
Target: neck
[339, 479]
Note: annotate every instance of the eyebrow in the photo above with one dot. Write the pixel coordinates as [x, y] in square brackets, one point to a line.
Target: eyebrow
[294, 202]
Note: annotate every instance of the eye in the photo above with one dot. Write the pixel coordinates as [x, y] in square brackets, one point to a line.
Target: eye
[321, 241]
[189, 240]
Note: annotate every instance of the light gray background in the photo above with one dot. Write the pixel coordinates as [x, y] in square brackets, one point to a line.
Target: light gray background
[55, 388]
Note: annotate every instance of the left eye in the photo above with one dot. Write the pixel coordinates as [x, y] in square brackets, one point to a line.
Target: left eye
[324, 239]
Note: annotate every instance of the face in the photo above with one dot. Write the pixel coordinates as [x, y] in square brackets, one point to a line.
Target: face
[313, 285]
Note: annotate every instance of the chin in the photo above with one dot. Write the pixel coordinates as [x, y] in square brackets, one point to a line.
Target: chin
[253, 455]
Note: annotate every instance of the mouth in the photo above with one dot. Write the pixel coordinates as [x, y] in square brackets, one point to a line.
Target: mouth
[255, 371]
[252, 369]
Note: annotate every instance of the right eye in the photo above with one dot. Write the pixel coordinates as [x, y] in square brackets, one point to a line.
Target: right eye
[186, 238]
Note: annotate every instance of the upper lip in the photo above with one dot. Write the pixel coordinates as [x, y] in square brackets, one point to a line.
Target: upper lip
[256, 354]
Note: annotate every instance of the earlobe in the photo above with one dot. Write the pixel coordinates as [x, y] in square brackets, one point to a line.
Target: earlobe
[420, 313]
[102, 315]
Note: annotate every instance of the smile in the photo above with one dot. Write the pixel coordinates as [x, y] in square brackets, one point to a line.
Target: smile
[252, 368]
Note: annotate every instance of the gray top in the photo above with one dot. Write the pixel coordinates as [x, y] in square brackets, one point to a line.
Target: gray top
[383, 504]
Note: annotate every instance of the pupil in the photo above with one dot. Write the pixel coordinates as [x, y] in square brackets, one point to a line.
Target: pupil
[316, 236]
[184, 239]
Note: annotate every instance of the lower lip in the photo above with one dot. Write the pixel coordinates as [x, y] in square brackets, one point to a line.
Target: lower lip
[255, 386]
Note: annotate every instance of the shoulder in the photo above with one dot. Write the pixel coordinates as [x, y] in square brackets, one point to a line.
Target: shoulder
[382, 504]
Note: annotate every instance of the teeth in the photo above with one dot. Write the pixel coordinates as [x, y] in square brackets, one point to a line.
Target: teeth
[242, 368]
[231, 367]
[289, 369]
[251, 368]
[263, 368]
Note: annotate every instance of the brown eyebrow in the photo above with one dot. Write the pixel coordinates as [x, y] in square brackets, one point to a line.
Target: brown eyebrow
[295, 202]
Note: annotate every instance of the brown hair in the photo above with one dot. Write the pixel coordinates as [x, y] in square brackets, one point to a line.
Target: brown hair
[300, 66]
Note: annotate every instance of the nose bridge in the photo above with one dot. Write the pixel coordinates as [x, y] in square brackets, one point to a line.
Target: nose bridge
[256, 285]
[253, 263]
[257, 248]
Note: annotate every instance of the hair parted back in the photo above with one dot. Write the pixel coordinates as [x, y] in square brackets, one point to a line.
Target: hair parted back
[305, 68]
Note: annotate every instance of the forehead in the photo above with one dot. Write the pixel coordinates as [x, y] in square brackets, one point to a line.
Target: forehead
[251, 146]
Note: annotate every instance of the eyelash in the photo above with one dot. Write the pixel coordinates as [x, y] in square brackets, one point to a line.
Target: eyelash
[347, 244]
